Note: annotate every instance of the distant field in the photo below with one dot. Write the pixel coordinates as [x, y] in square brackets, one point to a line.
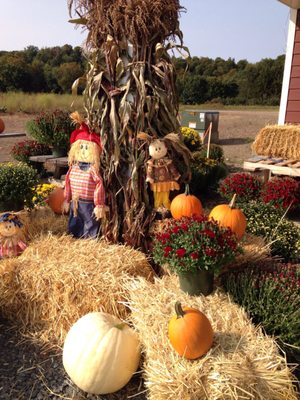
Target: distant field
[35, 103]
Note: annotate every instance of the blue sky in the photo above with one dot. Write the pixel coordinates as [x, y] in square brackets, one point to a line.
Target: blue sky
[240, 29]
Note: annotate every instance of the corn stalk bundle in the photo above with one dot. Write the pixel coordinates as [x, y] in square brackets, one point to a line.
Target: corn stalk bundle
[130, 88]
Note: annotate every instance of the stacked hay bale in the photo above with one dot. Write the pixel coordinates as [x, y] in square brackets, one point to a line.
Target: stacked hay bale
[58, 279]
[242, 364]
[278, 141]
[42, 220]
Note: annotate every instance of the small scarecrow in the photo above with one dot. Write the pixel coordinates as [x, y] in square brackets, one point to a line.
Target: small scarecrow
[84, 190]
[11, 236]
[161, 171]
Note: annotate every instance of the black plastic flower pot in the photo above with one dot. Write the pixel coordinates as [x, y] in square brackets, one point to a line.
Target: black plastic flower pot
[59, 151]
[197, 283]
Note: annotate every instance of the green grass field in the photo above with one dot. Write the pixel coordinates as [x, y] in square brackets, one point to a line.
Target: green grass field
[12, 102]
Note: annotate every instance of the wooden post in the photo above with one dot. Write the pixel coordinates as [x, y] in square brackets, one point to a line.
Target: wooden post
[208, 140]
[266, 175]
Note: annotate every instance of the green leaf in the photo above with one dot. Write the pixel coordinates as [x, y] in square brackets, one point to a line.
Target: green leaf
[78, 21]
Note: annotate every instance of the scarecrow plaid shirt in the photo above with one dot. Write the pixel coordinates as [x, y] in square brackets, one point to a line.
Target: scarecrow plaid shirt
[85, 185]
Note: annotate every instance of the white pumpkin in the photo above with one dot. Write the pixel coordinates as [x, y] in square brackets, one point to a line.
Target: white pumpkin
[101, 353]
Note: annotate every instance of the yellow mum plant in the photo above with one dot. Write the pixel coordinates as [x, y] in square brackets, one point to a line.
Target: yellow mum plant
[191, 138]
[41, 193]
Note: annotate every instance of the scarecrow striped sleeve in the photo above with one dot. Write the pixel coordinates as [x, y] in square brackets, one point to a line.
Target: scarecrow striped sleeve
[87, 185]
[67, 193]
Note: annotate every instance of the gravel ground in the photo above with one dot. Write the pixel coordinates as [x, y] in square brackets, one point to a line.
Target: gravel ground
[237, 130]
[29, 372]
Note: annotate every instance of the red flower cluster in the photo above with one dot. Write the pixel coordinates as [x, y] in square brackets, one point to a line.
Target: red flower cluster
[246, 186]
[190, 244]
[180, 252]
[282, 192]
[286, 278]
[23, 150]
[209, 233]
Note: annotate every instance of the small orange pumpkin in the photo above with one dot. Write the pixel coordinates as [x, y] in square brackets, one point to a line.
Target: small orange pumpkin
[2, 125]
[56, 199]
[190, 332]
[185, 205]
[229, 217]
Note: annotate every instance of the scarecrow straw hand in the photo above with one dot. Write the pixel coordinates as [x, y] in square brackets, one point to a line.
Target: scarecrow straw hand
[65, 207]
[100, 212]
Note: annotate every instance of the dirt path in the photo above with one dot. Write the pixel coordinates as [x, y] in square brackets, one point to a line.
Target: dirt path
[237, 130]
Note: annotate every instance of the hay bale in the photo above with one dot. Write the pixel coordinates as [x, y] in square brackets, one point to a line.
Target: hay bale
[278, 141]
[254, 249]
[242, 364]
[59, 279]
[42, 220]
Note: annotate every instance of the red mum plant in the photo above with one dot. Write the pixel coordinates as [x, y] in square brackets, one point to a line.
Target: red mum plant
[21, 151]
[247, 187]
[195, 243]
[282, 192]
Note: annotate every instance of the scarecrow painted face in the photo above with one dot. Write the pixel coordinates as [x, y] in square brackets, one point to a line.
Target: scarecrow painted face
[157, 149]
[9, 225]
[85, 151]
[8, 229]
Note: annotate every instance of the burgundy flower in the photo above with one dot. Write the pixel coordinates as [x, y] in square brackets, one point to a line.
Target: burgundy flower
[210, 252]
[165, 236]
[167, 250]
[180, 252]
[195, 255]
[176, 229]
[209, 233]
[199, 218]
[184, 227]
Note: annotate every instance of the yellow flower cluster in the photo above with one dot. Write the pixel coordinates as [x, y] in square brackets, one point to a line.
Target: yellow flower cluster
[41, 192]
[210, 162]
[191, 138]
[297, 249]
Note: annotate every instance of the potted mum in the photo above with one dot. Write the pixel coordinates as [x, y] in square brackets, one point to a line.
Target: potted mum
[52, 128]
[195, 248]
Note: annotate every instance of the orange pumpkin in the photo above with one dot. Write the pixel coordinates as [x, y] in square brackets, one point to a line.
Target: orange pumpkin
[185, 205]
[229, 217]
[2, 125]
[190, 332]
[56, 199]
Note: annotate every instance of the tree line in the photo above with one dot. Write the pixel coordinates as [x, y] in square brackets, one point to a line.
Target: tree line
[202, 79]
[199, 79]
[50, 70]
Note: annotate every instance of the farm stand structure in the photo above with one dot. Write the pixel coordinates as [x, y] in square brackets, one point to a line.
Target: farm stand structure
[290, 96]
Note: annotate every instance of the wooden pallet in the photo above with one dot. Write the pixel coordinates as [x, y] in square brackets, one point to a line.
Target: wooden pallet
[276, 166]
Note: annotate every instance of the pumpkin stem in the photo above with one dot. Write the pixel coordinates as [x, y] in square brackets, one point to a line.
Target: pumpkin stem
[232, 202]
[120, 326]
[179, 311]
[187, 189]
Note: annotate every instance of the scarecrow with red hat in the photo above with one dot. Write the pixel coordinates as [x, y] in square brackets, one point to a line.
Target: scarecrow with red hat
[84, 191]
